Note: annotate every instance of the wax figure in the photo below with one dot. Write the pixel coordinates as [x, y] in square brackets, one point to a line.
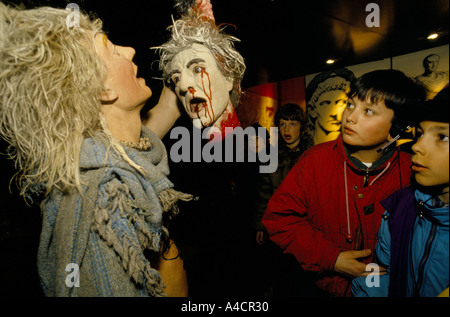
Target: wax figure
[202, 66]
[326, 101]
[70, 109]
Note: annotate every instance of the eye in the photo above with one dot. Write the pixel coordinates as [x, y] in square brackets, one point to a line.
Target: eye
[418, 134]
[198, 69]
[175, 79]
[342, 103]
[369, 112]
[443, 137]
[115, 51]
[350, 105]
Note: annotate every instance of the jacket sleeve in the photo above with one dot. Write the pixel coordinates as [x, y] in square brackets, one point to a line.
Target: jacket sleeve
[286, 220]
[377, 286]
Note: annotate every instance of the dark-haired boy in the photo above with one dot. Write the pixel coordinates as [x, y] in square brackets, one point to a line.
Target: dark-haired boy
[414, 234]
[327, 211]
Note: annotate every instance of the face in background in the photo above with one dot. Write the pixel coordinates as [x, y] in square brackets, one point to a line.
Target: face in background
[366, 124]
[431, 63]
[123, 86]
[290, 132]
[329, 108]
[430, 162]
[200, 85]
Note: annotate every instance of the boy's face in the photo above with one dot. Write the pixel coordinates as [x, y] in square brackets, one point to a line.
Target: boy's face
[290, 131]
[365, 124]
[430, 160]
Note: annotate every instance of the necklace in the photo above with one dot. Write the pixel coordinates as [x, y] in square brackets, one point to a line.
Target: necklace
[143, 145]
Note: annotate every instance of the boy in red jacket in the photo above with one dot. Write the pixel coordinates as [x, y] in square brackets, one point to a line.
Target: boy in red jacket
[327, 210]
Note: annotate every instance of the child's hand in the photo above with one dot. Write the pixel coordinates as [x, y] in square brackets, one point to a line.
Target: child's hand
[347, 263]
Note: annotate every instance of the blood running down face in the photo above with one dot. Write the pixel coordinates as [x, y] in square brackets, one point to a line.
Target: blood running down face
[200, 85]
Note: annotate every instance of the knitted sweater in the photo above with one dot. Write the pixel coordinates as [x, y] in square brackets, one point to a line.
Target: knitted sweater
[92, 244]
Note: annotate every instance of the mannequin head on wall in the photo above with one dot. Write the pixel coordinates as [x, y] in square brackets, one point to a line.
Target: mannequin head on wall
[204, 69]
[326, 101]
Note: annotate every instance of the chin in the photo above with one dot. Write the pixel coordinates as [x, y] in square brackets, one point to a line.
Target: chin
[426, 181]
[349, 140]
[333, 129]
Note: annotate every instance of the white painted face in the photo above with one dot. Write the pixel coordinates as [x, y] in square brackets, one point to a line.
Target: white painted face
[200, 85]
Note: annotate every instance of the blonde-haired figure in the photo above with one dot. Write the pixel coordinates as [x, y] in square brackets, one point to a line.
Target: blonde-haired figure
[70, 109]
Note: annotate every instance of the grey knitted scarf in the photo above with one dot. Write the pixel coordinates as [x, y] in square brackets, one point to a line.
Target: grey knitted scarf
[106, 230]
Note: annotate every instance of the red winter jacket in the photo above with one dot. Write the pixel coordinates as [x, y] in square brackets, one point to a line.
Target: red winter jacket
[307, 216]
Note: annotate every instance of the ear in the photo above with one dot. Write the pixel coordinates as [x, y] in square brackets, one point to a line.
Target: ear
[229, 83]
[310, 111]
[108, 97]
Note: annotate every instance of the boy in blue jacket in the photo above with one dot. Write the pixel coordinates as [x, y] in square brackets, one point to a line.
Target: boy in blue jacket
[414, 235]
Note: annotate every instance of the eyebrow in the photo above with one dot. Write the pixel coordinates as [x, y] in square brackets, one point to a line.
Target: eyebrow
[105, 39]
[175, 71]
[435, 128]
[373, 105]
[195, 61]
[189, 64]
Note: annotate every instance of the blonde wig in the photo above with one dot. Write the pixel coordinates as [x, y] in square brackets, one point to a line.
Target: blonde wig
[192, 29]
[50, 83]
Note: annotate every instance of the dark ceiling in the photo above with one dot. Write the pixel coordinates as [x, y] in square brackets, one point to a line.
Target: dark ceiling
[282, 39]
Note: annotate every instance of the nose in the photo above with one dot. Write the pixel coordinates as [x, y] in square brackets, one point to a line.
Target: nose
[284, 129]
[340, 108]
[130, 52]
[186, 83]
[350, 116]
[418, 147]
[339, 115]
[126, 51]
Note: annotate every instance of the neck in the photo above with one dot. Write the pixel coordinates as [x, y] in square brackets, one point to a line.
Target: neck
[444, 197]
[365, 155]
[228, 119]
[124, 125]
[321, 135]
[294, 145]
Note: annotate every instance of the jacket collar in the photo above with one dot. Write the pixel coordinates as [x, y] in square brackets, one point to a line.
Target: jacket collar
[389, 155]
[434, 208]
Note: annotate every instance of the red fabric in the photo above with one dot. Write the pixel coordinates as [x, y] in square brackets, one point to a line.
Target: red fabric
[307, 214]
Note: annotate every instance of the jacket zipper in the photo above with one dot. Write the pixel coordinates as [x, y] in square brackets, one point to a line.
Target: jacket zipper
[366, 178]
[424, 260]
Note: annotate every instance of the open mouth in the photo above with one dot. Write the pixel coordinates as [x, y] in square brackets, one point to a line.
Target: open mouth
[197, 104]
